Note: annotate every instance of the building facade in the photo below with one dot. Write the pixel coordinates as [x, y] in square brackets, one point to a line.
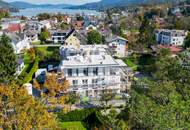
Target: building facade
[118, 46]
[170, 37]
[91, 71]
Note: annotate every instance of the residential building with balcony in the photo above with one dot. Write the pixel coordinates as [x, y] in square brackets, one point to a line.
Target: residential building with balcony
[170, 37]
[91, 71]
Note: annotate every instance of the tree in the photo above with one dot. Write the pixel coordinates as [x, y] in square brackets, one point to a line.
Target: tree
[72, 99]
[44, 35]
[94, 37]
[43, 16]
[18, 110]
[187, 41]
[53, 87]
[31, 53]
[8, 62]
[107, 97]
[64, 26]
[146, 36]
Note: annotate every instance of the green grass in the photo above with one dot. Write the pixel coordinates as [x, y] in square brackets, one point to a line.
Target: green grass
[36, 43]
[77, 125]
[130, 64]
[48, 51]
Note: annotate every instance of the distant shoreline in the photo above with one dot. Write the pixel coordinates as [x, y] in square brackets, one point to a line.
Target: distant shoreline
[29, 12]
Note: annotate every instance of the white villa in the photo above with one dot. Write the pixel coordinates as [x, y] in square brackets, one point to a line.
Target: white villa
[170, 37]
[19, 42]
[118, 46]
[91, 71]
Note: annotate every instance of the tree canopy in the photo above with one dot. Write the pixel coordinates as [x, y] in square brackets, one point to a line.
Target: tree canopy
[163, 101]
[8, 62]
[18, 110]
[44, 35]
[94, 37]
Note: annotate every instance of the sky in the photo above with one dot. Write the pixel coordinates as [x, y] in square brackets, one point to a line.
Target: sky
[74, 2]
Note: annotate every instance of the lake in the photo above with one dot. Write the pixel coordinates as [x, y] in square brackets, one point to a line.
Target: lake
[35, 11]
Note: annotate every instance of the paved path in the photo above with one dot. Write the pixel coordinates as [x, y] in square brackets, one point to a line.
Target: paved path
[47, 45]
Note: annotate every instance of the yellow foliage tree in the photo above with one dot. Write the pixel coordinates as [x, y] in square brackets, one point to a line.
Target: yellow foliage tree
[19, 111]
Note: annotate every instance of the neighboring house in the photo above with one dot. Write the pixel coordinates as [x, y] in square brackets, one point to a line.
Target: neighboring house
[91, 27]
[14, 28]
[170, 37]
[74, 39]
[19, 41]
[79, 25]
[32, 35]
[118, 46]
[45, 23]
[59, 36]
[91, 71]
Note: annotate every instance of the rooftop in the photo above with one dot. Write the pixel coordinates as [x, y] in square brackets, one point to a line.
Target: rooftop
[174, 33]
[88, 55]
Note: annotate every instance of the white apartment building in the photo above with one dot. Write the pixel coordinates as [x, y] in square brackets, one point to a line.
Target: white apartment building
[91, 71]
[171, 37]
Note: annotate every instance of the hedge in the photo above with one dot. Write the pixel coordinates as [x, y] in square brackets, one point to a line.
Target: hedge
[34, 68]
[77, 115]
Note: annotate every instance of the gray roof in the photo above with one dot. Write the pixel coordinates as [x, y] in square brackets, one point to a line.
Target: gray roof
[16, 37]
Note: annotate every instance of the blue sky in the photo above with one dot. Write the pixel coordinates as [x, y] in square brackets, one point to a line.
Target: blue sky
[75, 2]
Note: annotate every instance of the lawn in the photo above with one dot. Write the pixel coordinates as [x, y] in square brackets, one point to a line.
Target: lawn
[48, 51]
[77, 125]
[130, 64]
[36, 43]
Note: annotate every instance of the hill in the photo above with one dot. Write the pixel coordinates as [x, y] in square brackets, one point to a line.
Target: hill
[113, 3]
[21, 5]
[4, 4]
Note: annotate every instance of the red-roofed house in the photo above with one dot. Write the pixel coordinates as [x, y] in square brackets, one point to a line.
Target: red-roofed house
[173, 49]
[14, 28]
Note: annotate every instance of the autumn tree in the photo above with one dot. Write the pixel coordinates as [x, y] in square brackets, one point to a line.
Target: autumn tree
[19, 111]
[8, 60]
[53, 86]
[32, 54]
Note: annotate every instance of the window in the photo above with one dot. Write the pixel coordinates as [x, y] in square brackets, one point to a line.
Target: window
[95, 71]
[94, 81]
[85, 81]
[69, 72]
[112, 71]
[75, 82]
[77, 71]
[85, 71]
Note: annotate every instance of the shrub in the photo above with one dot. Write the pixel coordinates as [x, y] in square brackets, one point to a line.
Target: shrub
[28, 78]
[77, 115]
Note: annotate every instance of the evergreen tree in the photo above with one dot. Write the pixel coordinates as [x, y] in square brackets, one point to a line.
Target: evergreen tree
[8, 60]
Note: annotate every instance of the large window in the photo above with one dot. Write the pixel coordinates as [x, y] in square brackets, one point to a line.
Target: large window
[85, 71]
[69, 72]
[95, 71]
[85, 81]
